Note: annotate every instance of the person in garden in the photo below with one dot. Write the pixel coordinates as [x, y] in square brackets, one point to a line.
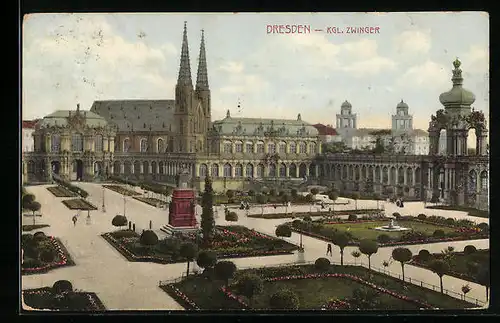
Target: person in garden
[74, 219]
[329, 249]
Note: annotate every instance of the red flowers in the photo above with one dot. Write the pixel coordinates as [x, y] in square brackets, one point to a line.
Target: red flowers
[183, 297]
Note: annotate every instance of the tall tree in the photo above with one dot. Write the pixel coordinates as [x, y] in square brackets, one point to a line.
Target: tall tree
[403, 255]
[368, 248]
[207, 215]
[440, 268]
[341, 240]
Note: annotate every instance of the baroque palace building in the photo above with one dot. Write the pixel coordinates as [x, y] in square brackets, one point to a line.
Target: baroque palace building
[155, 139]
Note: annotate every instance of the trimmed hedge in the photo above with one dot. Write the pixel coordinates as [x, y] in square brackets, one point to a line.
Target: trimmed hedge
[147, 186]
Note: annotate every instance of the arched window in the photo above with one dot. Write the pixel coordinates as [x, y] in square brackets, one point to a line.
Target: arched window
[312, 148]
[401, 175]
[282, 148]
[393, 175]
[417, 175]
[484, 180]
[271, 148]
[203, 170]
[293, 148]
[238, 170]
[238, 147]
[409, 176]
[249, 170]
[126, 145]
[260, 147]
[282, 170]
[227, 170]
[260, 170]
[160, 146]
[215, 170]
[302, 170]
[293, 170]
[98, 143]
[377, 174]
[55, 144]
[144, 145]
[344, 172]
[77, 142]
[302, 148]
[356, 172]
[228, 147]
[249, 147]
[272, 170]
[386, 175]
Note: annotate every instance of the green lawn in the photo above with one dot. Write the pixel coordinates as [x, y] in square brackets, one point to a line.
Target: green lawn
[315, 292]
[366, 230]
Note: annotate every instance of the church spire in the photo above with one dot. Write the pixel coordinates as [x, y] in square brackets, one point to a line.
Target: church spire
[202, 77]
[185, 69]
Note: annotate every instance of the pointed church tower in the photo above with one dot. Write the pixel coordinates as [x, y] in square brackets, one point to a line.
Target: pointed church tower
[203, 96]
[184, 99]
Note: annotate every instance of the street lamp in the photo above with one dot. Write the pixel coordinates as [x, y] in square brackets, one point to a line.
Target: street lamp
[103, 206]
[124, 203]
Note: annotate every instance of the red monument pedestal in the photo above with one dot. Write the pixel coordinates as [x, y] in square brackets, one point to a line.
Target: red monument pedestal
[182, 216]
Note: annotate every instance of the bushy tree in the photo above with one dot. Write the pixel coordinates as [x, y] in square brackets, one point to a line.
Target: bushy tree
[440, 268]
[469, 249]
[250, 285]
[284, 300]
[188, 251]
[119, 221]
[39, 236]
[314, 191]
[403, 255]
[352, 217]
[341, 240]
[421, 216]
[283, 230]
[62, 286]
[207, 214]
[225, 270]
[229, 194]
[368, 248]
[47, 255]
[27, 199]
[424, 255]
[439, 234]
[34, 207]
[333, 195]
[148, 238]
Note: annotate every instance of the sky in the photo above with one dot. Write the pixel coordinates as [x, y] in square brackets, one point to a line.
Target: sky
[78, 58]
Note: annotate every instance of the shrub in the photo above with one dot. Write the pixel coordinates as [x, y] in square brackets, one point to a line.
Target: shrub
[396, 215]
[39, 236]
[284, 299]
[251, 193]
[293, 193]
[171, 246]
[309, 197]
[469, 249]
[438, 234]
[449, 221]
[421, 216]
[307, 218]
[424, 255]
[352, 217]
[62, 286]
[148, 238]
[322, 264]
[47, 255]
[314, 191]
[296, 223]
[483, 226]
[250, 285]
[283, 230]
[261, 199]
[119, 221]
[26, 238]
[383, 238]
[232, 216]
[225, 270]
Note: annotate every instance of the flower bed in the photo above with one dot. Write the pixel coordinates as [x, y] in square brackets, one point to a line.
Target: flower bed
[358, 230]
[315, 290]
[303, 214]
[44, 298]
[122, 190]
[458, 263]
[470, 211]
[31, 227]
[63, 259]
[150, 201]
[61, 191]
[79, 204]
[229, 242]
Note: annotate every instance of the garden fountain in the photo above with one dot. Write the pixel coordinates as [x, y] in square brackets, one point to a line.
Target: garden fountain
[392, 227]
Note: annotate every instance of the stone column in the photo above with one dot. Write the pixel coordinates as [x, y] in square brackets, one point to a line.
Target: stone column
[287, 171]
[307, 170]
[111, 168]
[47, 143]
[405, 176]
[141, 168]
[132, 168]
[112, 144]
[233, 171]
[150, 168]
[157, 168]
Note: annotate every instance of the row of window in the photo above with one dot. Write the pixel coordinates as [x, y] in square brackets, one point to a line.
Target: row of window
[161, 145]
[76, 143]
[272, 170]
[272, 148]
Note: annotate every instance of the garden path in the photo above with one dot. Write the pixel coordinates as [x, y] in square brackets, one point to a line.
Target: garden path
[134, 286]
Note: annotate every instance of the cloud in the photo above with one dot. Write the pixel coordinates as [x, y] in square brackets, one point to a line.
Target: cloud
[83, 59]
[427, 75]
[476, 58]
[413, 42]
[232, 67]
[373, 65]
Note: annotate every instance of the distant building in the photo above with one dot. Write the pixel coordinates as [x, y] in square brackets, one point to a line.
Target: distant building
[28, 127]
[402, 136]
[327, 133]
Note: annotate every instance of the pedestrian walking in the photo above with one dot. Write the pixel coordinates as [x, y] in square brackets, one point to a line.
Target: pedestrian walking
[74, 220]
[329, 249]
